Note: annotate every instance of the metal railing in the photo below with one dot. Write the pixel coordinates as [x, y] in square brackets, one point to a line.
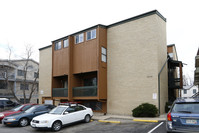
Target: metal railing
[85, 91]
[60, 92]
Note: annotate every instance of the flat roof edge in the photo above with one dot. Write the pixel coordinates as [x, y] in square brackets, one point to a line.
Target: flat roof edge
[45, 47]
[138, 17]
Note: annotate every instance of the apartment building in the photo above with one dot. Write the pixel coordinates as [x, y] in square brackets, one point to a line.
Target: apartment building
[110, 68]
[196, 75]
[13, 70]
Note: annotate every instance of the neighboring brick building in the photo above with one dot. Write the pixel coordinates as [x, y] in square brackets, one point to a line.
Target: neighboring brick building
[110, 68]
[15, 73]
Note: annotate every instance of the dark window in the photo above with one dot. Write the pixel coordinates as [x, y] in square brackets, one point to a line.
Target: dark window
[20, 73]
[3, 85]
[90, 82]
[79, 108]
[70, 109]
[185, 91]
[9, 102]
[58, 45]
[194, 91]
[22, 100]
[22, 87]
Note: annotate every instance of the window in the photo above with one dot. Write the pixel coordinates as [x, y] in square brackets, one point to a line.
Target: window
[66, 43]
[36, 75]
[90, 82]
[91, 34]
[79, 38]
[194, 91]
[185, 91]
[3, 85]
[103, 54]
[20, 73]
[22, 100]
[58, 45]
[22, 87]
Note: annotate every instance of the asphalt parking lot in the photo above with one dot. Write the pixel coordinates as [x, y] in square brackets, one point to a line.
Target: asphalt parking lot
[126, 126]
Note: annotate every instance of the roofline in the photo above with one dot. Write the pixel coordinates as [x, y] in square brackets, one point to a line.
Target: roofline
[198, 52]
[26, 60]
[111, 25]
[45, 47]
[95, 26]
[138, 17]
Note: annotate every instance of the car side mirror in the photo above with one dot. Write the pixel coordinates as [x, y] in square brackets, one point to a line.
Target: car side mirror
[65, 113]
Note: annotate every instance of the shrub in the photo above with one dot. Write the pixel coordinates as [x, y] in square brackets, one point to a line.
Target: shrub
[145, 110]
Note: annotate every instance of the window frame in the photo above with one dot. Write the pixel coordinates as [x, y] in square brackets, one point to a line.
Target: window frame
[20, 72]
[103, 54]
[91, 34]
[57, 45]
[66, 43]
[79, 38]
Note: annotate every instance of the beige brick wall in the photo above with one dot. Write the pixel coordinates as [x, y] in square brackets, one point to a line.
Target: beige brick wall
[45, 73]
[136, 53]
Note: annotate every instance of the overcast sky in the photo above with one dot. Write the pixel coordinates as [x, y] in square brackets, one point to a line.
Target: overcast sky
[38, 22]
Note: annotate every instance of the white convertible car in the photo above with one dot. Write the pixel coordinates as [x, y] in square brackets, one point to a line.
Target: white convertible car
[62, 115]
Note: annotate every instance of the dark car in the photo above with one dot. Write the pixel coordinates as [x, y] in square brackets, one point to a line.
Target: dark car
[4, 102]
[23, 119]
[15, 110]
[183, 116]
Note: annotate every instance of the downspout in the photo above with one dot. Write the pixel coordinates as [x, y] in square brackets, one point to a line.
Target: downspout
[159, 84]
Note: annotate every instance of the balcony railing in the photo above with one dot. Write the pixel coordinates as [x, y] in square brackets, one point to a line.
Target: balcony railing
[11, 76]
[60, 92]
[85, 91]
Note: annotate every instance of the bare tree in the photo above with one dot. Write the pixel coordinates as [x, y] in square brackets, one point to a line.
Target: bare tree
[5, 73]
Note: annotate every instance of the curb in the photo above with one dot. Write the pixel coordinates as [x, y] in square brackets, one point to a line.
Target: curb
[140, 120]
[106, 121]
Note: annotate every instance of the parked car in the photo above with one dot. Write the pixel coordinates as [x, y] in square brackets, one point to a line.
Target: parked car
[4, 102]
[15, 110]
[62, 115]
[183, 116]
[23, 119]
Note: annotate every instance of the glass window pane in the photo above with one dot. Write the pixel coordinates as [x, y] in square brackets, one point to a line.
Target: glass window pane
[93, 33]
[103, 50]
[76, 39]
[103, 58]
[81, 37]
[88, 35]
[66, 43]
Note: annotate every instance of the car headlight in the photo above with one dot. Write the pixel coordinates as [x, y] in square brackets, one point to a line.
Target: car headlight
[44, 121]
[1, 115]
[11, 119]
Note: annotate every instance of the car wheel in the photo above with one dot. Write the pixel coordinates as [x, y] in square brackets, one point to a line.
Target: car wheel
[56, 126]
[23, 122]
[87, 118]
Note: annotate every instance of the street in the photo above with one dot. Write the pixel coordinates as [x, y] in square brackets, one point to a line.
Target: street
[126, 126]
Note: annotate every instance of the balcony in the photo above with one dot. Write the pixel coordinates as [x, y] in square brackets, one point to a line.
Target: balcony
[60, 92]
[10, 77]
[174, 83]
[85, 91]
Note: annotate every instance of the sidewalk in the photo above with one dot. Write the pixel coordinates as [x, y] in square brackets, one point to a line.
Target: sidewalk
[101, 116]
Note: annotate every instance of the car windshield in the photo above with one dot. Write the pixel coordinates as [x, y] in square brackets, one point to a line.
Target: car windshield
[30, 110]
[186, 108]
[17, 108]
[57, 110]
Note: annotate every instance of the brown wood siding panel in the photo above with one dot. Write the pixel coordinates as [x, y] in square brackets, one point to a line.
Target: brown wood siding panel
[85, 56]
[170, 49]
[102, 74]
[61, 62]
